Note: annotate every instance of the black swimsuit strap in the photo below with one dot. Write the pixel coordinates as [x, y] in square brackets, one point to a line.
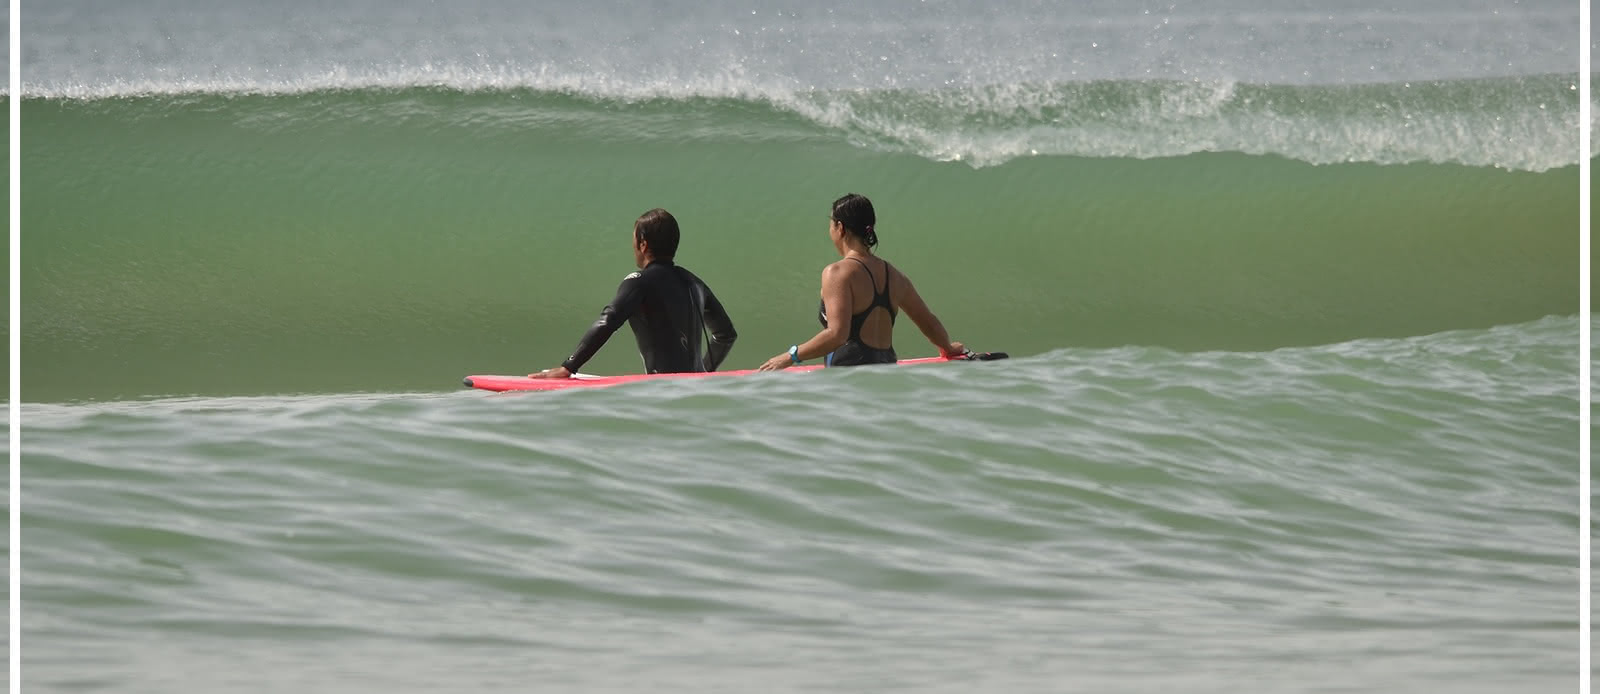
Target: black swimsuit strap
[878, 299]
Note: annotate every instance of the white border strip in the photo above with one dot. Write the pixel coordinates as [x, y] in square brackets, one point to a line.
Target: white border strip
[1584, 444]
[14, 102]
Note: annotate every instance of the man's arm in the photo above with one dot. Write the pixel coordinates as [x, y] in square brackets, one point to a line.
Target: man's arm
[612, 317]
[719, 328]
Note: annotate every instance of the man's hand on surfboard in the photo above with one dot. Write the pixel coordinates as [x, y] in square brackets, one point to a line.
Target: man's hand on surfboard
[557, 372]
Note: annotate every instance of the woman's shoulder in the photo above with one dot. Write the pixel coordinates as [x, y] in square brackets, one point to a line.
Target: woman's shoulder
[854, 266]
[867, 261]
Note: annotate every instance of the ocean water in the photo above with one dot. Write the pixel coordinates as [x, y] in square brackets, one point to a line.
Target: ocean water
[1291, 291]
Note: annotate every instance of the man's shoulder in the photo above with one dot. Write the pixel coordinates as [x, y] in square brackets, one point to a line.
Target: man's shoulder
[651, 270]
[661, 272]
[687, 272]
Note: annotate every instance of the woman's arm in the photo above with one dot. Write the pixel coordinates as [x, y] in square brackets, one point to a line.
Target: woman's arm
[836, 302]
[910, 302]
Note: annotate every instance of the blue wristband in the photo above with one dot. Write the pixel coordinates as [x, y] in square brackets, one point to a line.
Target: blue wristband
[794, 353]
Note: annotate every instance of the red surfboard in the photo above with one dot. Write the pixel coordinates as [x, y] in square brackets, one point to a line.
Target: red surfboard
[506, 383]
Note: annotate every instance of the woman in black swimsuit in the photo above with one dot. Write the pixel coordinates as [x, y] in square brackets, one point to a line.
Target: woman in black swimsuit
[861, 295]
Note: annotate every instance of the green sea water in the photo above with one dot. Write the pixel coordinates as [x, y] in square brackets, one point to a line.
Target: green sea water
[1378, 515]
[379, 240]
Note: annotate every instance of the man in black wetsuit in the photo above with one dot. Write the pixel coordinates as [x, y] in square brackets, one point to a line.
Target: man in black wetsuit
[667, 307]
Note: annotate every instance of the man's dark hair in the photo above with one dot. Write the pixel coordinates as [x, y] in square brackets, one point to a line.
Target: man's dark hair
[660, 233]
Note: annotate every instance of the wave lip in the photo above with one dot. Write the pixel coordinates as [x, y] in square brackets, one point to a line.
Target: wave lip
[1513, 123]
[1527, 124]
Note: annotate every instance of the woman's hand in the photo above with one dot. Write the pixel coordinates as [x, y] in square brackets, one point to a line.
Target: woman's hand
[782, 361]
[955, 350]
[557, 372]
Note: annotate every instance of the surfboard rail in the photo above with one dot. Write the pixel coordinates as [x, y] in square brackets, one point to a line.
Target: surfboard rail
[504, 383]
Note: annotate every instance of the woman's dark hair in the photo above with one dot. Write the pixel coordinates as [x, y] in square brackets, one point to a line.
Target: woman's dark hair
[660, 233]
[855, 213]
